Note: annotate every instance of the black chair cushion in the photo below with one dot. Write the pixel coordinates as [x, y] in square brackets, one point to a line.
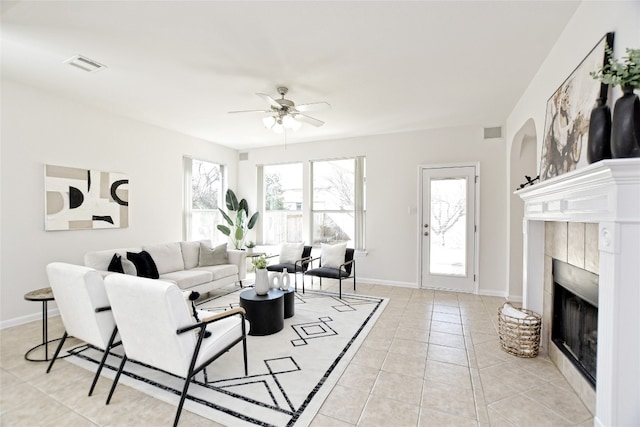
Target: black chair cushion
[291, 268]
[331, 273]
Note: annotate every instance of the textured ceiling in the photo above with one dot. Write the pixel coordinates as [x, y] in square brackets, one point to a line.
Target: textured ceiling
[383, 66]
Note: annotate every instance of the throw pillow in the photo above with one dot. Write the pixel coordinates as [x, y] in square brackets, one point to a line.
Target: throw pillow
[145, 266]
[213, 256]
[129, 267]
[290, 252]
[332, 256]
[116, 264]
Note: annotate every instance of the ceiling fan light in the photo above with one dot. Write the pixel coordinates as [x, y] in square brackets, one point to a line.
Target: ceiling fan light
[278, 128]
[290, 122]
[269, 122]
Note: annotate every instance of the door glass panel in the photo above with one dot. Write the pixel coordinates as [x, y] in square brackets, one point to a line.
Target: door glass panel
[448, 227]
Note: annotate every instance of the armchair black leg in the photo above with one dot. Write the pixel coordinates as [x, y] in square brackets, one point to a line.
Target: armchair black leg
[55, 356]
[244, 351]
[115, 380]
[340, 287]
[104, 359]
[187, 382]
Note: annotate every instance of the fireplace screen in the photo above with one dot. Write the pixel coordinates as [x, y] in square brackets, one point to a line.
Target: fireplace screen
[575, 316]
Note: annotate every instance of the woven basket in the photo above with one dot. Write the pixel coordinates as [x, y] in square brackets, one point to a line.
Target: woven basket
[520, 337]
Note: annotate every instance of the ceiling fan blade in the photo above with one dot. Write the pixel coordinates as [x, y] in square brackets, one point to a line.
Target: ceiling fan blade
[251, 111]
[270, 100]
[309, 120]
[313, 107]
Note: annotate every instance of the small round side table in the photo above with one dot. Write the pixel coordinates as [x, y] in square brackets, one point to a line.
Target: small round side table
[43, 295]
[265, 313]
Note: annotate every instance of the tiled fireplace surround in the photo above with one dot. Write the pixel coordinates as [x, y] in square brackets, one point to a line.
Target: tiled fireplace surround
[590, 218]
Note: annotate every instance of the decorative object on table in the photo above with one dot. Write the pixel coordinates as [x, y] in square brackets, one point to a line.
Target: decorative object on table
[519, 330]
[625, 129]
[239, 227]
[262, 284]
[250, 245]
[77, 199]
[567, 117]
[529, 181]
[280, 280]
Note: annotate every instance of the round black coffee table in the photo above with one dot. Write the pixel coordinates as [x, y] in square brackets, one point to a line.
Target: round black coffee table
[289, 303]
[265, 313]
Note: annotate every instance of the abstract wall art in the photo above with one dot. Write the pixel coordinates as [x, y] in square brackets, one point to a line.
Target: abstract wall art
[79, 199]
[566, 128]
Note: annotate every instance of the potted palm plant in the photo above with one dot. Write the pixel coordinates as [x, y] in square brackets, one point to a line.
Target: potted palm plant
[238, 220]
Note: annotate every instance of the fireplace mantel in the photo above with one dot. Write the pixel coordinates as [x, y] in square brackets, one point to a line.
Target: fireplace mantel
[606, 193]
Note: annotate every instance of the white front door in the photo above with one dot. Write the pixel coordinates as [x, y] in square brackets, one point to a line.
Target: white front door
[448, 228]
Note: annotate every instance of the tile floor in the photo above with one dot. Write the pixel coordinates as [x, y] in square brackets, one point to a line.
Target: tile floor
[432, 359]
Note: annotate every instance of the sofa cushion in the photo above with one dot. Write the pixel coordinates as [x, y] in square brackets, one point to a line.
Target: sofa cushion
[213, 256]
[188, 278]
[219, 271]
[145, 266]
[100, 260]
[191, 252]
[167, 256]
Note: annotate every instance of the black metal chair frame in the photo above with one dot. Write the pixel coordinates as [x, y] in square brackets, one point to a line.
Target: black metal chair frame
[110, 345]
[300, 266]
[342, 267]
[193, 370]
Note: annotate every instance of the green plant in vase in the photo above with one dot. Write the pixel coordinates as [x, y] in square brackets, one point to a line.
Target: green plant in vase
[260, 262]
[237, 219]
[625, 126]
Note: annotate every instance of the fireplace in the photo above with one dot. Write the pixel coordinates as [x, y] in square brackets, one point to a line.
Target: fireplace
[575, 317]
[606, 193]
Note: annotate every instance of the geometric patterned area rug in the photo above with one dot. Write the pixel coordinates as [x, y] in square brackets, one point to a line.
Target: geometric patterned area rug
[290, 372]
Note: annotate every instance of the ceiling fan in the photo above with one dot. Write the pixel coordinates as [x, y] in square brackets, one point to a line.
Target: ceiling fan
[284, 114]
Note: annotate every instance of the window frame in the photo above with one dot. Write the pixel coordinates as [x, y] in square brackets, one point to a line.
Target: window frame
[187, 203]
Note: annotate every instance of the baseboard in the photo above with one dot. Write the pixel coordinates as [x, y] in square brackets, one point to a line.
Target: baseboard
[16, 321]
[395, 283]
[515, 298]
[498, 294]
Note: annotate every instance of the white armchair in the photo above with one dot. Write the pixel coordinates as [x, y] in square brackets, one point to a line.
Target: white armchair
[158, 329]
[84, 308]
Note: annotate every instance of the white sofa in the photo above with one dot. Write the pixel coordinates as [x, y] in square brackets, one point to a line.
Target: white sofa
[179, 262]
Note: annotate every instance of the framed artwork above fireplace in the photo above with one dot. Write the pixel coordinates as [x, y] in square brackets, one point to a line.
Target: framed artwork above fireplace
[566, 128]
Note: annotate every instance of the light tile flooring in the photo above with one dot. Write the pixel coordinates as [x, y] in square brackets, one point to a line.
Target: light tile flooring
[432, 359]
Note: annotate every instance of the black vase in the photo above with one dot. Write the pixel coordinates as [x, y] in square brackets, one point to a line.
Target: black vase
[625, 129]
[599, 146]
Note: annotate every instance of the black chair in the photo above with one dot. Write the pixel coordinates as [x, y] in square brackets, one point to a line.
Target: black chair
[345, 271]
[300, 266]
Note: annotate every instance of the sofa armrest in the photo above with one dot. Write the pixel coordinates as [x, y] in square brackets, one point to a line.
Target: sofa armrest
[238, 258]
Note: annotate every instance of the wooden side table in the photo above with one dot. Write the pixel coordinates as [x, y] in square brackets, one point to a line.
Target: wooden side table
[43, 295]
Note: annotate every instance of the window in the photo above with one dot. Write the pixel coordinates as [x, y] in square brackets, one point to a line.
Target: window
[338, 201]
[203, 192]
[282, 221]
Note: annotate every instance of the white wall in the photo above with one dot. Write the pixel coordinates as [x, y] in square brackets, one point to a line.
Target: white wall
[392, 188]
[591, 21]
[39, 129]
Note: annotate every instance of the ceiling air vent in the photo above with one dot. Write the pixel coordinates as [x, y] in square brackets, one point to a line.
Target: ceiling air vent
[85, 63]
